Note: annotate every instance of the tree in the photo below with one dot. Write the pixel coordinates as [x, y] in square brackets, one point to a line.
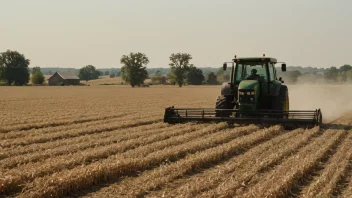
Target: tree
[195, 76]
[134, 69]
[349, 76]
[14, 68]
[345, 68]
[158, 73]
[171, 78]
[212, 79]
[35, 70]
[106, 73]
[180, 66]
[88, 73]
[112, 75]
[37, 78]
[331, 73]
[344, 72]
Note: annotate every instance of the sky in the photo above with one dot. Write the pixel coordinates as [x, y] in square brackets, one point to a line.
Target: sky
[75, 33]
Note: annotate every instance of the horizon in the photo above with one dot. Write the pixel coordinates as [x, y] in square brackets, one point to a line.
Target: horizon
[167, 67]
[73, 34]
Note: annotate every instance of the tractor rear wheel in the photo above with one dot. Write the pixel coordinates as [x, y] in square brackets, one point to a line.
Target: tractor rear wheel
[281, 102]
[223, 102]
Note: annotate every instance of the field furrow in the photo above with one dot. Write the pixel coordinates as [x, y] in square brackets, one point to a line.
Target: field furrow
[155, 179]
[90, 143]
[324, 185]
[279, 182]
[78, 132]
[57, 112]
[53, 129]
[22, 174]
[78, 140]
[242, 167]
[86, 156]
[131, 162]
[65, 121]
[347, 193]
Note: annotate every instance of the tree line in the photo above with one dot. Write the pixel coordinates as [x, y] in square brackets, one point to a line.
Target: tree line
[14, 70]
[182, 71]
[343, 74]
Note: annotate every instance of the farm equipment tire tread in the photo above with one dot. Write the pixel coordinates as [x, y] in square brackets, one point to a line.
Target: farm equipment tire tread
[223, 102]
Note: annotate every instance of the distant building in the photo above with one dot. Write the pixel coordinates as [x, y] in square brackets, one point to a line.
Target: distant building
[63, 78]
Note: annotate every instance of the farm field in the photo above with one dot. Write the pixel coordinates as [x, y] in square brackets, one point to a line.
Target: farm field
[110, 141]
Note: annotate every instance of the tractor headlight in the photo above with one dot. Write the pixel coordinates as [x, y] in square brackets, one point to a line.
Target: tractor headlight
[247, 96]
[246, 93]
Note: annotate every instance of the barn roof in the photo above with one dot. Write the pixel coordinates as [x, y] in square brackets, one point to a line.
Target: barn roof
[67, 75]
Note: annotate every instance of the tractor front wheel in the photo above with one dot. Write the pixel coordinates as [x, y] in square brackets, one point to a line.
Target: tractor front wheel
[223, 102]
[281, 102]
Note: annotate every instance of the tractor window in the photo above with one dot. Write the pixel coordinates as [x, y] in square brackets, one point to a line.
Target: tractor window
[239, 72]
[251, 71]
[272, 72]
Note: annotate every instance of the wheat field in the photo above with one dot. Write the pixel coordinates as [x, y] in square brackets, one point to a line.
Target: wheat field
[110, 141]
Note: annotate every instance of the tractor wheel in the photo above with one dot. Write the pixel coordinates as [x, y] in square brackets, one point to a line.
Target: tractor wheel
[281, 102]
[223, 102]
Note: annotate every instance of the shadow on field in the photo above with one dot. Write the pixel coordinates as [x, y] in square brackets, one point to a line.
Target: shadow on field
[336, 126]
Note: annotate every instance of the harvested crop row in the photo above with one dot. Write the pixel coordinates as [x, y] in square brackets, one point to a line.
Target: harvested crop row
[55, 122]
[154, 179]
[60, 114]
[46, 130]
[77, 132]
[335, 169]
[89, 155]
[131, 162]
[33, 148]
[34, 118]
[243, 166]
[16, 177]
[278, 183]
[33, 133]
[348, 191]
[65, 121]
[95, 141]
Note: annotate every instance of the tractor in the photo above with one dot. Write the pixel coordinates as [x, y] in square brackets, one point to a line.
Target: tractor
[254, 95]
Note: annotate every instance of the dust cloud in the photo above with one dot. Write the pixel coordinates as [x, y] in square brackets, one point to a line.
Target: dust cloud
[333, 100]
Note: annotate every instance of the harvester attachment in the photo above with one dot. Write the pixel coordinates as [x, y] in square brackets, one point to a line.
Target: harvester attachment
[233, 116]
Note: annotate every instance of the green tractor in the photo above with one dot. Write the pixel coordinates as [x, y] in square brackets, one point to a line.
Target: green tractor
[253, 95]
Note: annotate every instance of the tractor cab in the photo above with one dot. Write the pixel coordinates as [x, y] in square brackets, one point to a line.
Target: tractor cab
[263, 68]
[258, 68]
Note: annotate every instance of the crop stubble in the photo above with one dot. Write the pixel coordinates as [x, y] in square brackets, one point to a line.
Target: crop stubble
[69, 142]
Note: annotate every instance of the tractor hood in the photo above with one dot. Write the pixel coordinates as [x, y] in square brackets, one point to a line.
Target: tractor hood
[249, 84]
[248, 101]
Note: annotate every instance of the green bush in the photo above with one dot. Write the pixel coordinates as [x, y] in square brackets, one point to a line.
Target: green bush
[37, 78]
[159, 80]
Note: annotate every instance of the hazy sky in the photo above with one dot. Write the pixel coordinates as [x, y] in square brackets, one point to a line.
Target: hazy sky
[74, 33]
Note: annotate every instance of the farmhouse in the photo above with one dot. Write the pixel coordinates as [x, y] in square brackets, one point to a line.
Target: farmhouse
[63, 78]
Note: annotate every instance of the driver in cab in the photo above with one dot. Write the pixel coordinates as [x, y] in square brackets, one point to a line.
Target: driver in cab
[254, 75]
